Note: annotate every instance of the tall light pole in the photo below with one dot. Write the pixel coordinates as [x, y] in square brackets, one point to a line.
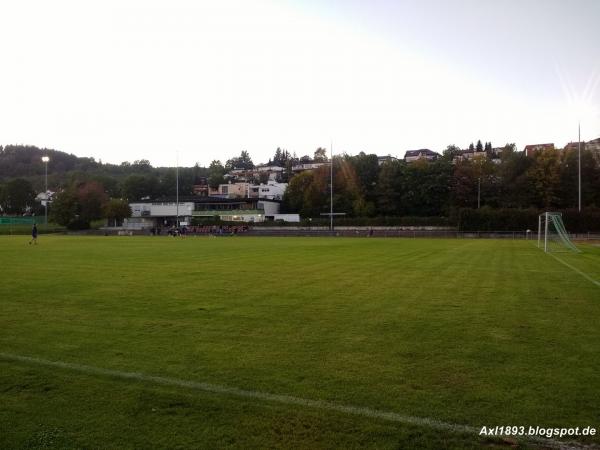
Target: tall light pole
[177, 188]
[579, 163]
[45, 159]
[331, 190]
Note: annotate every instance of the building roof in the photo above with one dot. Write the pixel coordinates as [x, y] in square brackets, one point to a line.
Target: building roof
[539, 146]
[423, 151]
[197, 199]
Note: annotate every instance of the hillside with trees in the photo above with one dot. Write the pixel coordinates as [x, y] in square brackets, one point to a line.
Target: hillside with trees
[362, 186]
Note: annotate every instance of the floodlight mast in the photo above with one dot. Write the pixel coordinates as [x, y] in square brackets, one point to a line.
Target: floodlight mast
[579, 163]
[177, 188]
[45, 159]
[331, 189]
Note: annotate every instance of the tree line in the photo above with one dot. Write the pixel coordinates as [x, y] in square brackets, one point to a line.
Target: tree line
[362, 186]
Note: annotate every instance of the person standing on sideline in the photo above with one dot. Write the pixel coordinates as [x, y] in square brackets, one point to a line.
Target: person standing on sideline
[34, 233]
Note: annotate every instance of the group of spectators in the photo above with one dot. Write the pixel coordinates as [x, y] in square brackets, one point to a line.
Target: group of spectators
[214, 230]
[217, 230]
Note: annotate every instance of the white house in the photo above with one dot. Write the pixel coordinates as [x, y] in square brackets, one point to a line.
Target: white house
[308, 166]
[424, 153]
[271, 190]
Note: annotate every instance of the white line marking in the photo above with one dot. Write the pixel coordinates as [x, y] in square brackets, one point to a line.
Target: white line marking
[278, 398]
[584, 275]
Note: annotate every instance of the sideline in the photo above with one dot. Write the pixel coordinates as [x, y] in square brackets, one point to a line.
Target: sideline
[574, 269]
[278, 398]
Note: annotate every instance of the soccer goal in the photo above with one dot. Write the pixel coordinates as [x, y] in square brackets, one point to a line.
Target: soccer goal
[552, 235]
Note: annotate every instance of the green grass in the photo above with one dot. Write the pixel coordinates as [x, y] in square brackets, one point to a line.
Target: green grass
[471, 332]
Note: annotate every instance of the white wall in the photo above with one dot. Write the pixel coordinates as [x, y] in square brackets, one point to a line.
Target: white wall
[270, 208]
[287, 217]
[272, 190]
[161, 209]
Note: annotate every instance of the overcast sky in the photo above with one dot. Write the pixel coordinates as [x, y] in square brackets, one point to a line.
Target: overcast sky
[141, 79]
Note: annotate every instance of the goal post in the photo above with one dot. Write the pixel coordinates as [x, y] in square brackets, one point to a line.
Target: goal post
[552, 234]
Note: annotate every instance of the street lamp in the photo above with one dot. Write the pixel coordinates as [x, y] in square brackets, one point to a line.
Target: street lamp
[45, 159]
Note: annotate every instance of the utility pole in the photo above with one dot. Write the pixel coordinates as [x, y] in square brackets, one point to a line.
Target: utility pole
[45, 159]
[579, 163]
[331, 190]
[478, 192]
[177, 187]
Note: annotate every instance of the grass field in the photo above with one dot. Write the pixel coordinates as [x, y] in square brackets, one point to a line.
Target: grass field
[465, 332]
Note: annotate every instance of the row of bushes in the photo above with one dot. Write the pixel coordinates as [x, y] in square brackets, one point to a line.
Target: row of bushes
[488, 219]
[467, 219]
[384, 221]
[23, 229]
[343, 222]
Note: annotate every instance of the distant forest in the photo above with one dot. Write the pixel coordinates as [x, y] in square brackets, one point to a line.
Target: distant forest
[23, 161]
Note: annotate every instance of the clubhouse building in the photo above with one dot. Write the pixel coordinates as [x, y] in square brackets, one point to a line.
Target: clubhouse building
[164, 212]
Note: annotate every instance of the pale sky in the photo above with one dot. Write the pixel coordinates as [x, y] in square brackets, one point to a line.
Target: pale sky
[142, 79]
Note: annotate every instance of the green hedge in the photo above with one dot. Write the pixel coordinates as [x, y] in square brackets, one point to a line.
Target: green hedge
[364, 222]
[488, 219]
[26, 229]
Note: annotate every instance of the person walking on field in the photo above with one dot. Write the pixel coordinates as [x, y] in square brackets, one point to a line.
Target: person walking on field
[34, 234]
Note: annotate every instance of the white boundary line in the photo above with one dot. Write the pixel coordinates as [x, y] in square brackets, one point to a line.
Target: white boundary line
[277, 398]
[574, 269]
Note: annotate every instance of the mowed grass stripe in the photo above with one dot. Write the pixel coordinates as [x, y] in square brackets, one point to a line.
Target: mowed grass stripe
[466, 331]
[278, 398]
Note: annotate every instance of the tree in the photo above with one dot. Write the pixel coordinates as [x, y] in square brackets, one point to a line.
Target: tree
[426, 188]
[545, 177]
[320, 155]
[389, 187]
[367, 170]
[464, 185]
[142, 165]
[508, 150]
[78, 205]
[138, 187]
[297, 197]
[515, 190]
[479, 146]
[116, 210]
[568, 191]
[451, 152]
[263, 178]
[287, 162]
[278, 158]
[216, 171]
[241, 162]
[91, 198]
[18, 197]
[471, 147]
[64, 209]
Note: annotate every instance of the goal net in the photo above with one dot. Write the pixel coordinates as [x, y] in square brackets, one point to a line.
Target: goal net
[552, 235]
